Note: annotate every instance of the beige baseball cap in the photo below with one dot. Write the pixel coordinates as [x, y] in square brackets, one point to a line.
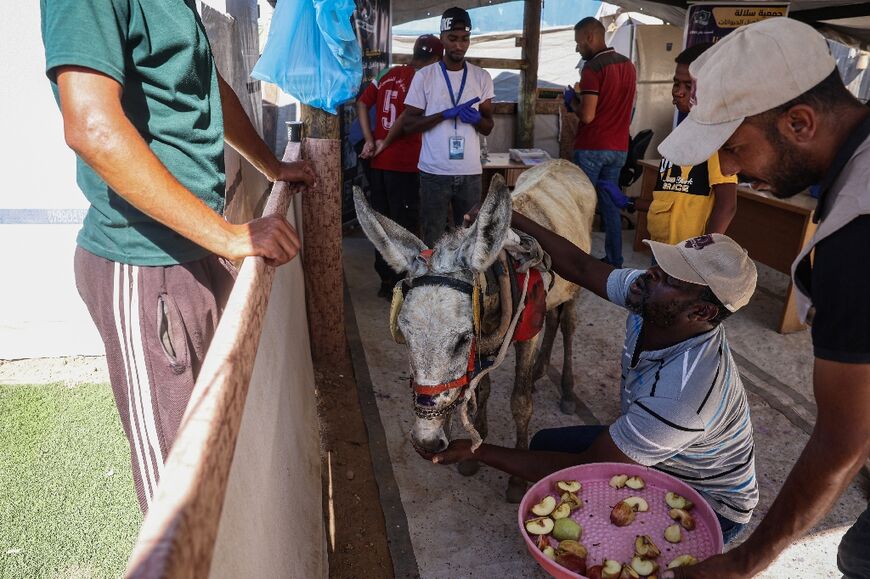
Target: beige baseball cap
[713, 260]
[756, 68]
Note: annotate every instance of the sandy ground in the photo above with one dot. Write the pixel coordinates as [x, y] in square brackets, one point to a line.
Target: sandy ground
[462, 527]
[70, 370]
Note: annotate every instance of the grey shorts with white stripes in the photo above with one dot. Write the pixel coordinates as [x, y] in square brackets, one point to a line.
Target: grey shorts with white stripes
[156, 324]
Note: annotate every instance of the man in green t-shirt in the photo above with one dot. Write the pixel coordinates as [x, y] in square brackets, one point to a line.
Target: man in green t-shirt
[147, 114]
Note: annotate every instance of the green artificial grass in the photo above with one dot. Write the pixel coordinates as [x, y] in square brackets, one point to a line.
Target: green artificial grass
[67, 504]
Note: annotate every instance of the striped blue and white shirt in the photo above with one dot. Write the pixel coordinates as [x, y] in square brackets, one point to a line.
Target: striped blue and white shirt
[685, 412]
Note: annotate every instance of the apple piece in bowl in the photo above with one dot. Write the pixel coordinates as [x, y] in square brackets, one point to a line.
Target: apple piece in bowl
[622, 514]
[673, 534]
[611, 569]
[683, 517]
[561, 511]
[540, 526]
[635, 483]
[568, 486]
[572, 555]
[676, 501]
[644, 547]
[567, 529]
[644, 567]
[682, 561]
[545, 507]
[618, 481]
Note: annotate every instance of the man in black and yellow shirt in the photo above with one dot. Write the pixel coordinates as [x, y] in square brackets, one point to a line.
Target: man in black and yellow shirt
[689, 200]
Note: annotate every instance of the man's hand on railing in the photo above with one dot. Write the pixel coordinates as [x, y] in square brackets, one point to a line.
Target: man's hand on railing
[271, 237]
[297, 172]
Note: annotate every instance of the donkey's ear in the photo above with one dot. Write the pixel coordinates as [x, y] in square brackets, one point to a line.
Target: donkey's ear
[486, 237]
[398, 246]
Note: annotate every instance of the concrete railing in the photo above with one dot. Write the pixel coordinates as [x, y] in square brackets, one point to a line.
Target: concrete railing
[241, 492]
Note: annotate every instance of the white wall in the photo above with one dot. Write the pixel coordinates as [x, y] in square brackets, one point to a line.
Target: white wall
[40, 310]
[41, 313]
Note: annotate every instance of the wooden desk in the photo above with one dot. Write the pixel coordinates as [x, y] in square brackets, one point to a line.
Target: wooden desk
[501, 163]
[772, 230]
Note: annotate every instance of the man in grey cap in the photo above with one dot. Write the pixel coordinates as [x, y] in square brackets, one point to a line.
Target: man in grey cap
[683, 406]
[770, 99]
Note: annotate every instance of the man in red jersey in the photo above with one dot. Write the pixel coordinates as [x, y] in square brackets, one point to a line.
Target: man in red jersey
[395, 179]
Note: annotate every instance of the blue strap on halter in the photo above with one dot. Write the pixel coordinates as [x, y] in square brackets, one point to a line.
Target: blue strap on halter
[458, 97]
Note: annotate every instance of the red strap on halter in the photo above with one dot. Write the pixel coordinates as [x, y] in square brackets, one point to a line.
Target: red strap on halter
[458, 383]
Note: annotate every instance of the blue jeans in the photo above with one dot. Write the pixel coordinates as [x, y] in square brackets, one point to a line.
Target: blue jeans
[853, 556]
[576, 439]
[462, 192]
[605, 166]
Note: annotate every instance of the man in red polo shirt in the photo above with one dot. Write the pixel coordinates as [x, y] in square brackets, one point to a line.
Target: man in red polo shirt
[395, 179]
[603, 101]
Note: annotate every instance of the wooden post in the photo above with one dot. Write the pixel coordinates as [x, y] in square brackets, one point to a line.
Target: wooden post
[321, 230]
[529, 74]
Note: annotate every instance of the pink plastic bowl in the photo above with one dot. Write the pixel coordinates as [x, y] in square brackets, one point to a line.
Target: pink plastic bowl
[604, 540]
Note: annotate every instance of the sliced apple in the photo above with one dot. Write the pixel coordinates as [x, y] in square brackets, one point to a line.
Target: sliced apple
[676, 501]
[571, 561]
[569, 486]
[635, 482]
[562, 511]
[639, 504]
[622, 514]
[545, 507]
[628, 573]
[594, 572]
[573, 547]
[611, 569]
[644, 567]
[567, 529]
[540, 526]
[542, 542]
[572, 500]
[618, 481]
[644, 547]
[682, 561]
[683, 517]
[673, 534]
[550, 552]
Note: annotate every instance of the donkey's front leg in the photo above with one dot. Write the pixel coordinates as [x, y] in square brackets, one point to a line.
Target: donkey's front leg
[521, 408]
[568, 323]
[470, 467]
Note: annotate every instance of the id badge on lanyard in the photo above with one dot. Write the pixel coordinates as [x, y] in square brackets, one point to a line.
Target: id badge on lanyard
[455, 143]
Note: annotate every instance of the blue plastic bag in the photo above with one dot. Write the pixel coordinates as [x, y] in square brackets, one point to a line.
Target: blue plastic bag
[312, 52]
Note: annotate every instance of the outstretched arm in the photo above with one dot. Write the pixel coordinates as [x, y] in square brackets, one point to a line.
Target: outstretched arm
[530, 465]
[838, 447]
[98, 130]
[240, 134]
[569, 261]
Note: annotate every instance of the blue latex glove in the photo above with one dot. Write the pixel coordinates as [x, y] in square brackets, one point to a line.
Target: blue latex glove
[452, 113]
[469, 115]
[569, 98]
[619, 198]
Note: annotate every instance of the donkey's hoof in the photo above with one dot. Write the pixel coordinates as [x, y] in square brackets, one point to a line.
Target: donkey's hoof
[515, 492]
[567, 406]
[468, 468]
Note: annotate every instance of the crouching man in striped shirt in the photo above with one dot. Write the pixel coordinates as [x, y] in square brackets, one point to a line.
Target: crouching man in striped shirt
[683, 406]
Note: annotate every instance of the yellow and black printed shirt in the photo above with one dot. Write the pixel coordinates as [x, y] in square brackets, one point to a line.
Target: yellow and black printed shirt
[683, 199]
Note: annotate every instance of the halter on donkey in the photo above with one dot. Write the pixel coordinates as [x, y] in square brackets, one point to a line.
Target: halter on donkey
[524, 324]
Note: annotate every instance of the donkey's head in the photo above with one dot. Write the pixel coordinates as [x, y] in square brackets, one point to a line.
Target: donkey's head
[434, 313]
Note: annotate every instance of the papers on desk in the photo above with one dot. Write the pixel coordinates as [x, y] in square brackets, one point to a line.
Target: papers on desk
[529, 156]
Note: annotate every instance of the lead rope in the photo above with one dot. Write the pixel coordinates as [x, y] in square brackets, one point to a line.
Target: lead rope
[471, 392]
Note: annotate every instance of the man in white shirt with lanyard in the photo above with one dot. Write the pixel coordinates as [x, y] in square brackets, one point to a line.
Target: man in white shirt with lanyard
[450, 102]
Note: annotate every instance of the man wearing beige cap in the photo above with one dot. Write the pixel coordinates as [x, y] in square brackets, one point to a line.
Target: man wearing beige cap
[770, 99]
[683, 406]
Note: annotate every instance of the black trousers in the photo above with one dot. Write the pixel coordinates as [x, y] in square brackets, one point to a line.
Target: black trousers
[396, 195]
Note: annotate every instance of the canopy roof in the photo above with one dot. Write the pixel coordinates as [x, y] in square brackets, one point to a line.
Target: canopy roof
[845, 20]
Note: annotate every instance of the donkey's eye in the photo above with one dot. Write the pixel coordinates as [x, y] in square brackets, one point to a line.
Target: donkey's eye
[460, 344]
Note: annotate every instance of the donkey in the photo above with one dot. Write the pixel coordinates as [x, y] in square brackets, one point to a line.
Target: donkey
[446, 335]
